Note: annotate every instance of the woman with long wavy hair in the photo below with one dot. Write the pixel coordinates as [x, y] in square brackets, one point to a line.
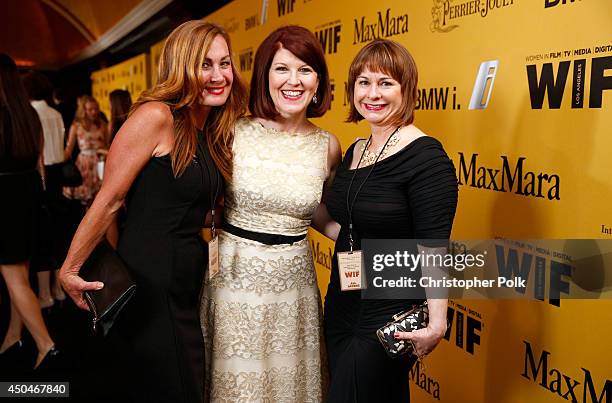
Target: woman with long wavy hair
[167, 162]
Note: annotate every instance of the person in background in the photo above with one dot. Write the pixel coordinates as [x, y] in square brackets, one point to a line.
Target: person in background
[90, 131]
[120, 104]
[397, 184]
[21, 142]
[66, 107]
[39, 89]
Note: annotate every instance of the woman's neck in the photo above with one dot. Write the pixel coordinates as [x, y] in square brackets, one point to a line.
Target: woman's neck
[380, 134]
[89, 124]
[290, 124]
[200, 114]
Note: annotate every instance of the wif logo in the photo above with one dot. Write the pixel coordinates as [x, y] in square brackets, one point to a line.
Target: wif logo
[549, 82]
[466, 324]
[508, 266]
[481, 94]
[246, 60]
[329, 36]
[285, 7]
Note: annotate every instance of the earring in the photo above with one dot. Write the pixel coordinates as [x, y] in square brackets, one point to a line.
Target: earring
[315, 99]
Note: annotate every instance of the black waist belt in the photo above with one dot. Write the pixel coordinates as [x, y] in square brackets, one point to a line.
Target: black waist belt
[268, 239]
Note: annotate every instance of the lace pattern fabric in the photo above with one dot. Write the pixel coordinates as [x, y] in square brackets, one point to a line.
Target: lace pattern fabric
[278, 179]
[261, 314]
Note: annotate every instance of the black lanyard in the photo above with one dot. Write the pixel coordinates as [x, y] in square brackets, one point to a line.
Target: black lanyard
[351, 205]
[213, 196]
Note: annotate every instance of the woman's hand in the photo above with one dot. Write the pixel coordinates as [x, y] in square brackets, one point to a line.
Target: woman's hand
[75, 286]
[425, 340]
[130, 153]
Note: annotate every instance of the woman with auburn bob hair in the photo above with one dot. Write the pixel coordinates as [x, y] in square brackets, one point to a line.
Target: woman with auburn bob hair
[261, 314]
[167, 161]
[397, 184]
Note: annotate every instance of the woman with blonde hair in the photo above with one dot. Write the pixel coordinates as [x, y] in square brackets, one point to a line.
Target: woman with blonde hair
[167, 162]
[89, 131]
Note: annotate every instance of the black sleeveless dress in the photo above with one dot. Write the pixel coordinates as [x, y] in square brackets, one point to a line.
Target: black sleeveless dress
[411, 194]
[158, 340]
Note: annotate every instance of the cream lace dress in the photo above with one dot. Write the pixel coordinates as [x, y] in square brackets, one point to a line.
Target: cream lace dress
[261, 315]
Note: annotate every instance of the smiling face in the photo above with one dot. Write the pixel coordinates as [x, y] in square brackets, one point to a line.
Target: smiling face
[377, 97]
[216, 74]
[292, 84]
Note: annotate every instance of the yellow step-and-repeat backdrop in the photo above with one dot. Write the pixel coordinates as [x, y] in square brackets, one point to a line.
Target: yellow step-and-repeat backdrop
[132, 75]
[517, 91]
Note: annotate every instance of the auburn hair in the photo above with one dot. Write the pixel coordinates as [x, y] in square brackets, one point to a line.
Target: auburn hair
[387, 57]
[305, 46]
[179, 87]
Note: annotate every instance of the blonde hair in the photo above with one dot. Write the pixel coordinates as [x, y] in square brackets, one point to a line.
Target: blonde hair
[179, 87]
[79, 116]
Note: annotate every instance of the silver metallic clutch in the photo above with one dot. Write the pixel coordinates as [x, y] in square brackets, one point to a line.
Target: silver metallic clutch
[407, 321]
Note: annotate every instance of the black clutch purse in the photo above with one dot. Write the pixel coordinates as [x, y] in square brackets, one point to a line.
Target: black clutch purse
[408, 321]
[71, 176]
[104, 264]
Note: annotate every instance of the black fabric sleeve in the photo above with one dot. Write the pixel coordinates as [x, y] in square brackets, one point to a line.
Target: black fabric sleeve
[432, 194]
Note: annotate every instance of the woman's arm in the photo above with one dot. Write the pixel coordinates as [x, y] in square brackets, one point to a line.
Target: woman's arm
[70, 143]
[148, 132]
[321, 220]
[40, 164]
[433, 202]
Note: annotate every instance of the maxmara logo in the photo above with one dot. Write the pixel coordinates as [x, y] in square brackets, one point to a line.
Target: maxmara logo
[321, 256]
[574, 389]
[446, 13]
[384, 25]
[428, 384]
[509, 177]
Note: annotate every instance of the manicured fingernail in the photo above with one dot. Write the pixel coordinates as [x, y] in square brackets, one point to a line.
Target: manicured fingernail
[100, 286]
[396, 335]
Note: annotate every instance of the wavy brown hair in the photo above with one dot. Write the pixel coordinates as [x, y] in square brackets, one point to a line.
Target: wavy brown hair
[178, 87]
[20, 129]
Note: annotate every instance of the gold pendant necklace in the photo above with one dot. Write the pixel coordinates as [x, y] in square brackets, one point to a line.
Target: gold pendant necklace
[369, 156]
